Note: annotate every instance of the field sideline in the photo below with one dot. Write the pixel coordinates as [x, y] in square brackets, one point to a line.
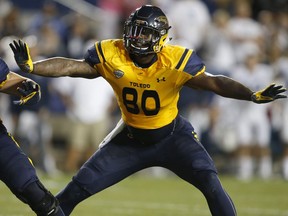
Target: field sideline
[141, 195]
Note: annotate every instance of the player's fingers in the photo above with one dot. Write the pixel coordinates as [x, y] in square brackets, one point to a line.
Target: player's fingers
[21, 45]
[12, 47]
[16, 45]
[270, 87]
[22, 91]
[268, 91]
[25, 50]
[17, 102]
[279, 91]
[276, 88]
[26, 85]
[280, 96]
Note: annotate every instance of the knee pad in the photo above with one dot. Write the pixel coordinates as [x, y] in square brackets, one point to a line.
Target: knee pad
[40, 200]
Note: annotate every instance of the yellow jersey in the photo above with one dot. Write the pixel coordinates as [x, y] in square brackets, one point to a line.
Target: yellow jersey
[147, 97]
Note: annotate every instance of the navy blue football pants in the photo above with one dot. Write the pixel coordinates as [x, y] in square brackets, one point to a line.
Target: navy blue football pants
[16, 171]
[179, 151]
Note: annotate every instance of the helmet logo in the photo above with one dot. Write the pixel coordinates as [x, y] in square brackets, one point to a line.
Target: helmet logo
[161, 21]
[141, 22]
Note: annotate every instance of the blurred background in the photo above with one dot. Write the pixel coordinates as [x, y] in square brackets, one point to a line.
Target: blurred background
[244, 39]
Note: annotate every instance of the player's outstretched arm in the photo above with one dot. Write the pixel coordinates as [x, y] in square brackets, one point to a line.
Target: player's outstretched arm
[227, 87]
[52, 67]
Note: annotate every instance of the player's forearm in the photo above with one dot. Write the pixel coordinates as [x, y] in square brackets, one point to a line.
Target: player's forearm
[59, 66]
[53, 67]
[230, 88]
[221, 85]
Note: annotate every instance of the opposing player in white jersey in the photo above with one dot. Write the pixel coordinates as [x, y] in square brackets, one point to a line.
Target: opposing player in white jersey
[253, 128]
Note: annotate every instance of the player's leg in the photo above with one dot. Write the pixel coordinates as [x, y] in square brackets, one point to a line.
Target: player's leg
[17, 172]
[113, 162]
[186, 157]
[40, 200]
[219, 202]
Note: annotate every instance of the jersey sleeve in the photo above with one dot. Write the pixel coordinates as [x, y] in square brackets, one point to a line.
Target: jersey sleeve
[194, 65]
[190, 63]
[98, 54]
[91, 56]
[102, 54]
[4, 70]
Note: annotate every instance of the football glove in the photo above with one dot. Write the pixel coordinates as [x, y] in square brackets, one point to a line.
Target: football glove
[271, 93]
[22, 55]
[30, 93]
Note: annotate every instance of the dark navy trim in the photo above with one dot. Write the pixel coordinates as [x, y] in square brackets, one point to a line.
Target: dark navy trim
[194, 64]
[182, 59]
[4, 70]
[91, 56]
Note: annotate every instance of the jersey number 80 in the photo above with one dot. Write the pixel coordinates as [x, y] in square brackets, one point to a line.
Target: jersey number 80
[131, 101]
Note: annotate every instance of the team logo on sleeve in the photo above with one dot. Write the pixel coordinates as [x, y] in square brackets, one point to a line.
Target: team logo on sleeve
[118, 74]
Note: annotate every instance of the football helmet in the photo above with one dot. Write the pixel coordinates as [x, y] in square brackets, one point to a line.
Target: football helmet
[146, 31]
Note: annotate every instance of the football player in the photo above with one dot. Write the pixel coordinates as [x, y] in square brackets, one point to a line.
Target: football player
[146, 75]
[16, 169]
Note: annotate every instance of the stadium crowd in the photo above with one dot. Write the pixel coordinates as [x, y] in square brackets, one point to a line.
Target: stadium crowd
[244, 39]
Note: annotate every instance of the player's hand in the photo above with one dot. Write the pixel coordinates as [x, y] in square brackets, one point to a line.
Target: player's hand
[30, 93]
[271, 93]
[22, 55]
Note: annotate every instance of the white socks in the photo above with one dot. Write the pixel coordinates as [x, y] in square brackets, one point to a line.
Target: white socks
[265, 167]
[285, 168]
[246, 168]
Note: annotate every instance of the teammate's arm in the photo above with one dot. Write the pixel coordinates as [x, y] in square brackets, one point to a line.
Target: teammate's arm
[227, 87]
[26, 89]
[12, 83]
[52, 67]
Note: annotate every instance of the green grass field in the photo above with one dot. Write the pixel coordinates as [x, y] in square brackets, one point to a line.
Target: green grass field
[141, 195]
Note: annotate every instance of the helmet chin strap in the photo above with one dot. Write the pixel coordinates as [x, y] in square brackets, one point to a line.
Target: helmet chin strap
[157, 47]
[168, 39]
